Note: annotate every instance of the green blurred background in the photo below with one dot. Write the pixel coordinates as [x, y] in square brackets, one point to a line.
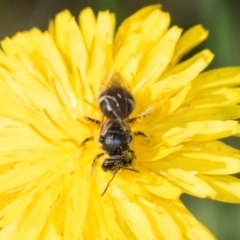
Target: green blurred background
[220, 17]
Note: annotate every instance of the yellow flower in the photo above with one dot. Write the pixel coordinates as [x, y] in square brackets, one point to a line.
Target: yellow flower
[50, 81]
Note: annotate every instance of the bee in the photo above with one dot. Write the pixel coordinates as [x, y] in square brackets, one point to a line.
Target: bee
[116, 103]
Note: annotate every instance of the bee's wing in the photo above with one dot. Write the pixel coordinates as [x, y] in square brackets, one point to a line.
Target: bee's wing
[111, 79]
[119, 105]
[119, 102]
[119, 111]
[125, 125]
[115, 80]
[105, 125]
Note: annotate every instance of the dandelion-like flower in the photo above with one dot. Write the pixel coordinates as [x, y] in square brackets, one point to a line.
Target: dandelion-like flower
[50, 81]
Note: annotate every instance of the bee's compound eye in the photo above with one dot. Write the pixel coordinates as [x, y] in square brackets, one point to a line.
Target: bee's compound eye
[131, 104]
[106, 107]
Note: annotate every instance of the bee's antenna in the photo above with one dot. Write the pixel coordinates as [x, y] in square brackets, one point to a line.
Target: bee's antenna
[108, 183]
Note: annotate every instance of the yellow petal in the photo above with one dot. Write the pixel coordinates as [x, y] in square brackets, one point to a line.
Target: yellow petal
[189, 40]
[227, 187]
[222, 77]
[134, 214]
[192, 229]
[217, 97]
[101, 52]
[133, 22]
[87, 22]
[135, 35]
[182, 74]
[189, 182]
[204, 114]
[155, 61]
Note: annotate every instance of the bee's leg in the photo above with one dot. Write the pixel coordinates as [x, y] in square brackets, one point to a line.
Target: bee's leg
[86, 140]
[92, 120]
[142, 134]
[95, 159]
[133, 153]
[133, 120]
[95, 121]
[139, 133]
[132, 158]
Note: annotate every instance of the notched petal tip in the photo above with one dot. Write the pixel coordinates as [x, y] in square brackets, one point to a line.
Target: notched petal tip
[189, 40]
